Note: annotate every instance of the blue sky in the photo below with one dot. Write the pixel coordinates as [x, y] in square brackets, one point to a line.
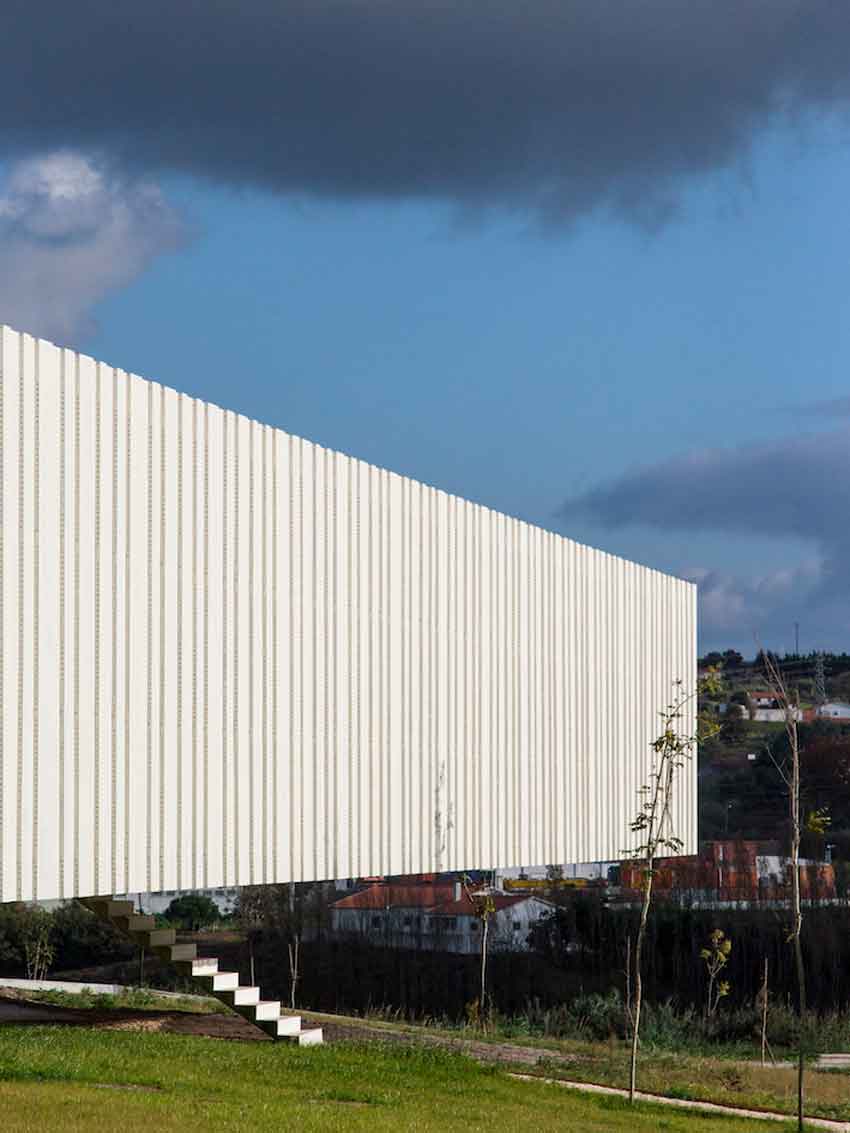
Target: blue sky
[529, 362]
[508, 363]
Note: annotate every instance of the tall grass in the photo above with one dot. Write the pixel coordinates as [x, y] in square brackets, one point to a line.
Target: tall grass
[597, 1017]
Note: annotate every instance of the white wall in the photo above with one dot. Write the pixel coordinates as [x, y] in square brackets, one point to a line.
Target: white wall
[231, 656]
[403, 926]
[774, 715]
[835, 709]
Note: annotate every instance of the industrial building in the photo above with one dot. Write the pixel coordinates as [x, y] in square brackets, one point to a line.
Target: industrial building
[231, 656]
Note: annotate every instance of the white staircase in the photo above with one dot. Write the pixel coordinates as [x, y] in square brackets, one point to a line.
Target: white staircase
[162, 942]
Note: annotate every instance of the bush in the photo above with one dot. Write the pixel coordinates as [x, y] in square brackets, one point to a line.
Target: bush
[192, 911]
[76, 938]
[83, 941]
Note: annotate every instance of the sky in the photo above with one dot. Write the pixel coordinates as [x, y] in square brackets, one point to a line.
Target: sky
[585, 263]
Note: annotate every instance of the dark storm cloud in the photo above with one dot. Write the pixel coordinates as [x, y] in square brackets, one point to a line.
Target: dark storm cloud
[794, 488]
[557, 105]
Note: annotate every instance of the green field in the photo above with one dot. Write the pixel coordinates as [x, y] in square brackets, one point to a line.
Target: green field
[76, 1079]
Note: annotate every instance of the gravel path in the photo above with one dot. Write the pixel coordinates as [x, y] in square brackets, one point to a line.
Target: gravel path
[682, 1103]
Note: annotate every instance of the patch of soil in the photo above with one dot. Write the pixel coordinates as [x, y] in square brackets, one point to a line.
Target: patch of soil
[15, 1010]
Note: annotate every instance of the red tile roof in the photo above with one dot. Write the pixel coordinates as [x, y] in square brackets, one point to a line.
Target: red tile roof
[465, 907]
[408, 896]
[436, 899]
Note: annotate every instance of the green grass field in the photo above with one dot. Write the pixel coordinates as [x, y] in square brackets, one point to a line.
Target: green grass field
[725, 1074]
[77, 1079]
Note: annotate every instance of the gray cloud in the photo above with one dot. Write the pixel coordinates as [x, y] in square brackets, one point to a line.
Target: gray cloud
[798, 487]
[558, 106]
[71, 232]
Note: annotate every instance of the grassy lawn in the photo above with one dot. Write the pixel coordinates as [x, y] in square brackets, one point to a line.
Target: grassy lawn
[727, 1075]
[78, 1079]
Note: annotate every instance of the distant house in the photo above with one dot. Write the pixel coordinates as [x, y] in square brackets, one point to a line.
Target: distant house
[436, 917]
[762, 698]
[762, 707]
[833, 710]
[775, 715]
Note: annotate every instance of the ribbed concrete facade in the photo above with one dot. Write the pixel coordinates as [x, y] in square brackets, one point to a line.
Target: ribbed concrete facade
[231, 656]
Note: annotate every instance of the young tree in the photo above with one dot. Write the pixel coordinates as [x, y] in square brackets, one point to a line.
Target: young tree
[484, 907]
[653, 823]
[278, 915]
[818, 822]
[293, 948]
[37, 935]
[763, 1002]
[716, 956]
[251, 910]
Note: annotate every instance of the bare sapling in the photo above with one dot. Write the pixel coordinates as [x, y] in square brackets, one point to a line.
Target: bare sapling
[817, 823]
[484, 907]
[653, 823]
[763, 1000]
[294, 950]
[628, 975]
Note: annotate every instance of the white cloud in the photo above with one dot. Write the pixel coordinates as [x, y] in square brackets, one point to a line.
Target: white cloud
[72, 231]
[747, 607]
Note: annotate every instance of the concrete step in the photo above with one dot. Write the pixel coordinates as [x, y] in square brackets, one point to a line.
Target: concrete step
[220, 981]
[198, 967]
[290, 1027]
[264, 1010]
[159, 938]
[178, 952]
[138, 922]
[264, 1013]
[287, 1025]
[311, 1037]
[204, 966]
[240, 997]
[107, 908]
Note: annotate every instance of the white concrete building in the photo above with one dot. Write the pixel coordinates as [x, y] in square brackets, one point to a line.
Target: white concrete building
[229, 656]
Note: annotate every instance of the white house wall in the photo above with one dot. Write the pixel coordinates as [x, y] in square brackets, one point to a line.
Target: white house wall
[231, 656]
